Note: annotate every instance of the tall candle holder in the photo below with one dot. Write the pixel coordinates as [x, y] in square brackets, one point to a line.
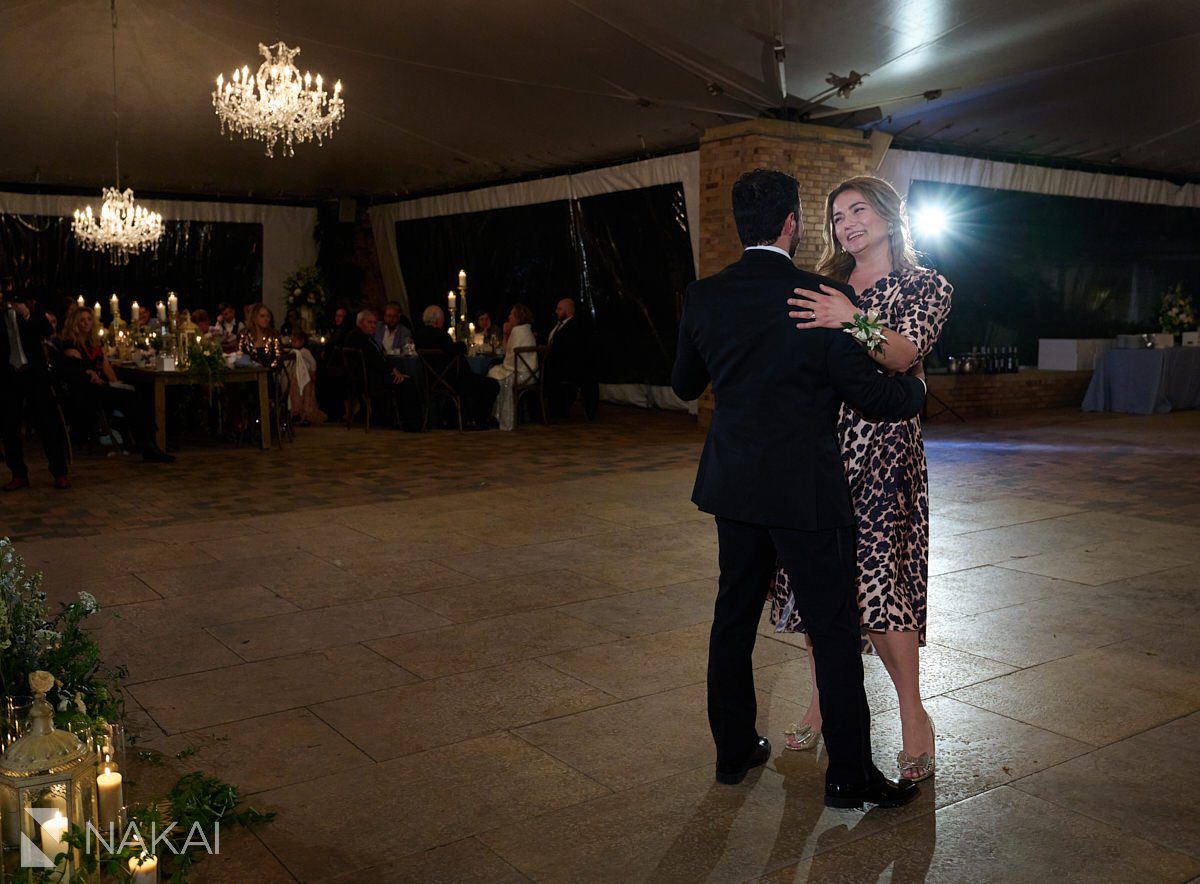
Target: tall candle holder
[464, 313]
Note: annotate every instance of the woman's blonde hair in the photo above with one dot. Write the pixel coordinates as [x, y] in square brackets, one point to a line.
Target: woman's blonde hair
[71, 333]
[252, 325]
[523, 313]
[835, 261]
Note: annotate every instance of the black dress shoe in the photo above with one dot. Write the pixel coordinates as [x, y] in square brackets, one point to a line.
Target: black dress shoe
[759, 755]
[881, 792]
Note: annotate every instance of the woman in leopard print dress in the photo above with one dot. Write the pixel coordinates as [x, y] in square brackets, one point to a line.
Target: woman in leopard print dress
[867, 243]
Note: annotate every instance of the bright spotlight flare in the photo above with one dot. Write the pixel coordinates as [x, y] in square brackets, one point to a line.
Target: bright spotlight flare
[930, 222]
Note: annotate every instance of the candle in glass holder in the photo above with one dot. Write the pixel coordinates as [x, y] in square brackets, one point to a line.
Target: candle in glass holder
[162, 311]
[144, 869]
[452, 337]
[111, 797]
[133, 314]
[471, 329]
[52, 835]
[172, 304]
[96, 312]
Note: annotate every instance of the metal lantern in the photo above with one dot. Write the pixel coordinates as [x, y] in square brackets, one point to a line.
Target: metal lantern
[47, 785]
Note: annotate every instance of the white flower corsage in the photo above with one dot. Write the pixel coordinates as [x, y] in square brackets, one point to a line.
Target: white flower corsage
[867, 330]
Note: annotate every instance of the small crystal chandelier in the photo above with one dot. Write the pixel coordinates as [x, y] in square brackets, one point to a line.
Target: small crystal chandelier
[277, 104]
[122, 228]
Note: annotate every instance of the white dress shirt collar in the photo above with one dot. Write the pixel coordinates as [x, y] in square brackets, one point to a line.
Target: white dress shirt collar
[770, 249]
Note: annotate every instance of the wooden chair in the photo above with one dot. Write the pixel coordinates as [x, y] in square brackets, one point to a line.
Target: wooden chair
[281, 388]
[533, 368]
[440, 384]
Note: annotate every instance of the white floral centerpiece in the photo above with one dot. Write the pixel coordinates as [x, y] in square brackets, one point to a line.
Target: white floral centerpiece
[306, 293]
[1175, 313]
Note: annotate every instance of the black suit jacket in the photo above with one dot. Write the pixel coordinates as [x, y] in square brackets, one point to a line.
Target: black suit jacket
[426, 337]
[572, 356]
[378, 368]
[33, 331]
[772, 455]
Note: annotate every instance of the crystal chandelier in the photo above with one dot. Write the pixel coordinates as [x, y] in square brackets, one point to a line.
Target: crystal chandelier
[122, 228]
[277, 104]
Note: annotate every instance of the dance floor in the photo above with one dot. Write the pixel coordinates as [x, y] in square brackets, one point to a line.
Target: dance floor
[481, 657]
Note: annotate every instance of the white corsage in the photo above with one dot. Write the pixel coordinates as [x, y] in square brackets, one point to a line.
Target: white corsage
[867, 330]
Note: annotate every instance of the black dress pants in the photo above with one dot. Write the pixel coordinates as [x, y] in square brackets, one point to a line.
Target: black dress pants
[30, 390]
[822, 565]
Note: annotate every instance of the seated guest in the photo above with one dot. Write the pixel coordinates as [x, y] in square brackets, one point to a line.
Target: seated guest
[92, 383]
[247, 310]
[478, 394]
[518, 333]
[226, 327]
[571, 363]
[490, 331]
[384, 381]
[201, 320]
[258, 339]
[342, 326]
[291, 323]
[302, 396]
[145, 320]
[393, 334]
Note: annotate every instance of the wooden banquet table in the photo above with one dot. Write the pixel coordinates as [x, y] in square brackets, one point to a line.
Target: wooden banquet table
[131, 374]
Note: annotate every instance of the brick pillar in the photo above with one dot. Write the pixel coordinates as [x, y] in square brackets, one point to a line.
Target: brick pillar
[819, 157]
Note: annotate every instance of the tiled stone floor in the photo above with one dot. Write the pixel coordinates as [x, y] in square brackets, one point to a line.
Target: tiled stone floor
[480, 657]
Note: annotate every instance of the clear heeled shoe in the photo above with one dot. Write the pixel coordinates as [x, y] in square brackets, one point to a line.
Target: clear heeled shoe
[801, 737]
[920, 767]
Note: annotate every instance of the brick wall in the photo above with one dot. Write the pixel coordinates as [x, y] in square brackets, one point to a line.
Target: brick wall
[820, 158]
[994, 395]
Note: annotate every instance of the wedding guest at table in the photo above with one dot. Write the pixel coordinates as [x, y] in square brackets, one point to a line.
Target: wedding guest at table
[342, 327]
[226, 327]
[571, 363]
[203, 323]
[383, 380]
[259, 339]
[291, 323]
[92, 383]
[26, 388]
[302, 396]
[394, 334]
[519, 333]
[247, 312]
[478, 393]
[491, 332]
[145, 320]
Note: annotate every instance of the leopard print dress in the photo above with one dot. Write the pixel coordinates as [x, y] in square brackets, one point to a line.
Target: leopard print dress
[889, 484]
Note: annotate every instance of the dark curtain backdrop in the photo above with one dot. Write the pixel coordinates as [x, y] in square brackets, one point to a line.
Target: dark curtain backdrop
[203, 262]
[624, 257]
[1027, 266]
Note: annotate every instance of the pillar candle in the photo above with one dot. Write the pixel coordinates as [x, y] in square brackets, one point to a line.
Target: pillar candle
[96, 312]
[52, 831]
[162, 311]
[144, 869]
[452, 334]
[450, 301]
[133, 314]
[471, 329]
[114, 306]
[172, 304]
[462, 279]
[111, 797]
[79, 300]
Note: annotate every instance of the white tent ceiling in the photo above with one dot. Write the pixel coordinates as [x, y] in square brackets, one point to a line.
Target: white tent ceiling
[447, 93]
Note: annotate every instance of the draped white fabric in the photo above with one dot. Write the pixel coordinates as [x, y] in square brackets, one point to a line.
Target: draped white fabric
[287, 231]
[902, 167]
[680, 168]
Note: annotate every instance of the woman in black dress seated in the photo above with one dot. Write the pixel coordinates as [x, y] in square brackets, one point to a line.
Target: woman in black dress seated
[91, 382]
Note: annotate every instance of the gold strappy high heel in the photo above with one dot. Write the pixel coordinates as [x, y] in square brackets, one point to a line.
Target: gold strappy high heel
[921, 766]
[801, 737]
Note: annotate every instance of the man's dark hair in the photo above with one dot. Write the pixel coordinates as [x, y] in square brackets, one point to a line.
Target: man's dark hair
[762, 200]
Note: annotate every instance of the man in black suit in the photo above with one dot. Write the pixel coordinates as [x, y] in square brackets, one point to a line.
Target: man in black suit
[771, 473]
[384, 381]
[478, 393]
[25, 386]
[571, 363]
